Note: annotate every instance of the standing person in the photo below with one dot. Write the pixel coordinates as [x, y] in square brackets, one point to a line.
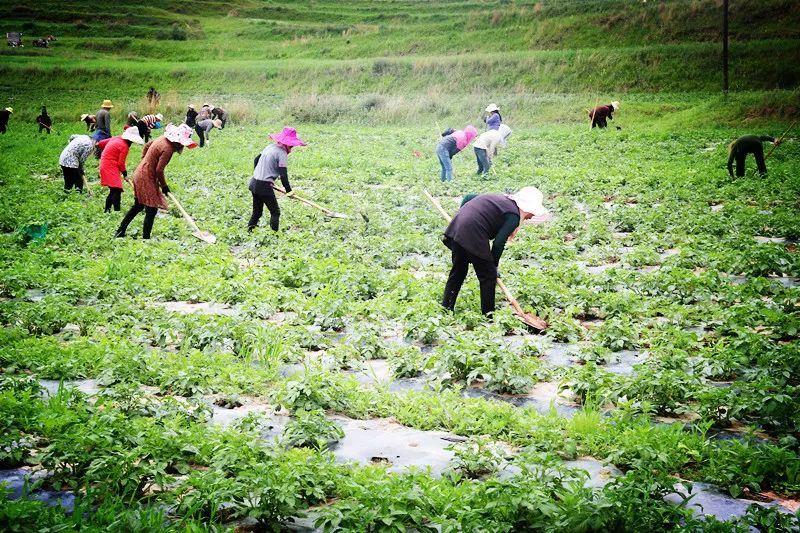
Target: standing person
[270, 165]
[493, 119]
[221, 114]
[72, 158]
[191, 116]
[103, 121]
[148, 123]
[112, 164]
[483, 218]
[204, 127]
[748, 144]
[205, 112]
[601, 112]
[149, 183]
[44, 121]
[486, 146]
[5, 114]
[453, 142]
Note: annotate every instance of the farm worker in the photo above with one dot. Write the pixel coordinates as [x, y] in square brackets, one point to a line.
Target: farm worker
[601, 112]
[270, 165]
[90, 120]
[73, 156]
[493, 119]
[44, 121]
[131, 121]
[112, 164]
[482, 218]
[4, 116]
[749, 144]
[221, 114]
[486, 146]
[205, 112]
[204, 126]
[453, 142]
[148, 123]
[148, 177]
[103, 121]
[191, 116]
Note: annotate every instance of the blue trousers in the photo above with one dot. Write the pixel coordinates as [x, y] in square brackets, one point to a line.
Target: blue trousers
[447, 164]
[484, 163]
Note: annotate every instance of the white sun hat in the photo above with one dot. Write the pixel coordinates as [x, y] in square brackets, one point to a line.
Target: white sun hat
[132, 134]
[529, 199]
[159, 116]
[492, 107]
[615, 104]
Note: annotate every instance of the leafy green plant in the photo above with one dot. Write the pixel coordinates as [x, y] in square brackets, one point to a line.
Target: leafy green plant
[312, 429]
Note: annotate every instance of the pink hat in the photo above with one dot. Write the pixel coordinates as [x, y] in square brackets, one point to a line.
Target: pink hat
[463, 138]
[180, 134]
[287, 137]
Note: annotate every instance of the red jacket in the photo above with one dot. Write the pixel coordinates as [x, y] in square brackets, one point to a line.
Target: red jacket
[112, 161]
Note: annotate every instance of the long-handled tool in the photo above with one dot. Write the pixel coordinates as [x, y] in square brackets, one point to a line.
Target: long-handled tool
[325, 210]
[528, 318]
[780, 140]
[202, 235]
[86, 185]
[49, 128]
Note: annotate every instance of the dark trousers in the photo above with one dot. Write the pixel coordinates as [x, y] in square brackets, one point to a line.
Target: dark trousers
[485, 270]
[149, 217]
[484, 164]
[113, 199]
[600, 122]
[3, 128]
[202, 133]
[41, 127]
[72, 178]
[264, 195]
[758, 154]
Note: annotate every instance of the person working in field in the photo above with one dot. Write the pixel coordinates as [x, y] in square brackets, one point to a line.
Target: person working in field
[203, 128]
[103, 121]
[112, 164]
[599, 114]
[149, 183]
[270, 165]
[191, 116]
[486, 146]
[453, 141]
[483, 218]
[5, 114]
[219, 113]
[147, 124]
[44, 121]
[90, 120]
[493, 119]
[748, 144]
[205, 112]
[73, 156]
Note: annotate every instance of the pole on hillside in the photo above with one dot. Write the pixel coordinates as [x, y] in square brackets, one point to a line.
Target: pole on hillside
[725, 48]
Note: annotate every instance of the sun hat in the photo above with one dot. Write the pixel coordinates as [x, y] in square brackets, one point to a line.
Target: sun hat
[180, 134]
[107, 104]
[83, 117]
[191, 106]
[132, 134]
[492, 107]
[217, 123]
[615, 104]
[530, 199]
[287, 137]
[10, 109]
[206, 105]
[159, 116]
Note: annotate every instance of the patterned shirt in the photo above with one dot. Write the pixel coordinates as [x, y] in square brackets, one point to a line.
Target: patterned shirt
[76, 152]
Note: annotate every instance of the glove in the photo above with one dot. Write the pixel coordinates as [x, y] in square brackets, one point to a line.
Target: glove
[165, 189]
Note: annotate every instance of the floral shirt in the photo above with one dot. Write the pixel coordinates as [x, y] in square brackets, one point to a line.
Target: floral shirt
[76, 152]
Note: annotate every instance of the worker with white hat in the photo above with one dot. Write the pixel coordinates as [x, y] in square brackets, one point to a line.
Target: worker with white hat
[493, 119]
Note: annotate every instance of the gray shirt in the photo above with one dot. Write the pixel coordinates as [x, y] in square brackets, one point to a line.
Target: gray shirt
[271, 158]
[103, 118]
[206, 125]
[76, 152]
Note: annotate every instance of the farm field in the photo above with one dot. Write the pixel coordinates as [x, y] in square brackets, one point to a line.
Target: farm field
[309, 379]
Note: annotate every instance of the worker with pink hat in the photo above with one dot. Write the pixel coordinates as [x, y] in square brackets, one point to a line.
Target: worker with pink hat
[269, 165]
[453, 141]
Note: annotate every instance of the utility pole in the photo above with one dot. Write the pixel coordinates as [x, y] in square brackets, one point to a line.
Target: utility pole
[725, 48]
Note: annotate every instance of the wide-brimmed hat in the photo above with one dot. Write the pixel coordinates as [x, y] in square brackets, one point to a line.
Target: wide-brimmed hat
[529, 199]
[217, 123]
[10, 109]
[159, 116]
[83, 117]
[492, 107]
[615, 104]
[287, 137]
[132, 134]
[107, 104]
[180, 134]
[206, 105]
[191, 106]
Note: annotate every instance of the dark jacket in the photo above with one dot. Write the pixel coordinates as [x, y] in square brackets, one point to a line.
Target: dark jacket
[4, 117]
[601, 112]
[480, 220]
[191, 116]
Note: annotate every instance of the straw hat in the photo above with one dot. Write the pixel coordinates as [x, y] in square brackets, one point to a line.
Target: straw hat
[191, 106]
[492, 107]
[10, 109]
[287, 137]
[159, 116]
[207, 105]
[107, 104]
[180, 134]
[529, 199]
[615, 105]
[132, 134]
[83, 117]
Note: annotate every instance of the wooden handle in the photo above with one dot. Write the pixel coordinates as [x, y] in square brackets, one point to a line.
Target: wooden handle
[186, 215]
[438, 206]
[780, 139]
[305, 201]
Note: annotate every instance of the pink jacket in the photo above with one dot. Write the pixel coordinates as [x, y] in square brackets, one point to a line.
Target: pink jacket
[463, 138]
